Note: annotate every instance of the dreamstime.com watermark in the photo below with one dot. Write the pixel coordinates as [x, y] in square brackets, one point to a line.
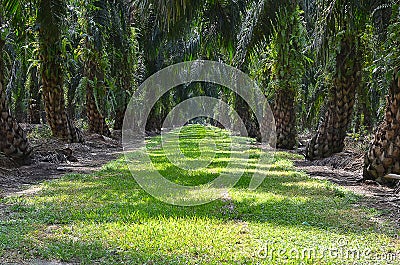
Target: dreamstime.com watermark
[342, 250]
[182, 75]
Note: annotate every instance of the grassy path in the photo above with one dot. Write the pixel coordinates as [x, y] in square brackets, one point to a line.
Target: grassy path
[106, 218]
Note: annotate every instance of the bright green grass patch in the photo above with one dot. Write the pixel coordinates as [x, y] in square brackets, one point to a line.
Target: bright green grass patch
[106, 218]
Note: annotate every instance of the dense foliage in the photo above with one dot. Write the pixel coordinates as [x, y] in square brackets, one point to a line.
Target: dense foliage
[74, 64]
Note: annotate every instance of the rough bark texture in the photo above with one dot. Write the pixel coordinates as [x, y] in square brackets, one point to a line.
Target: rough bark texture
[52, 78]
[119, 119]
[97, 122]
[285, 119]
[331, 133]
[268, 128]
[13, 141]
[383, 156]
[243, 110]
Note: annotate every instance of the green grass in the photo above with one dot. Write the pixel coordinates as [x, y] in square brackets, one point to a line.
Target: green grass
[106, 218]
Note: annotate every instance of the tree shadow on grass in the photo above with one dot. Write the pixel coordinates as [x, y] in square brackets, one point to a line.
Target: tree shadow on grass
[112, 195]
[285, 199]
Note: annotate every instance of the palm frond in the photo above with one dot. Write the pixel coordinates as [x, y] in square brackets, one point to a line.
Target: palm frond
[13, 9]
[169, 12]
[246, 31]
[335, 18]
[257, 26]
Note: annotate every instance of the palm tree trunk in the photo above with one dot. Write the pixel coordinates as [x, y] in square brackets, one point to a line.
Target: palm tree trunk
[13, 141]
[383, 156]
[53, 96]
[285, 119]
[119, 118]
[52, 75]
[333, 127]
[97, 122]
[53, 93]
[243, 110]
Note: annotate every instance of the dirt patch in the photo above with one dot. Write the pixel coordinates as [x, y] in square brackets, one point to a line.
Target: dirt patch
[345, 169]
[53, 158]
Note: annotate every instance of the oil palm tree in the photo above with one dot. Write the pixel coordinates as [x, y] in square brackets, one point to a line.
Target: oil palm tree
[163, 22]
[95, 80]
[224, 23]
[13, 140]
[340, 22]
[96, 18]
[256, 26]
[286, 66]
[124, 58]
[50, 20]
[383, 156]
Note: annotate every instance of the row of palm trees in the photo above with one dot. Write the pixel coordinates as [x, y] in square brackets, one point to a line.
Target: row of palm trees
[243, 25]
[51, 22]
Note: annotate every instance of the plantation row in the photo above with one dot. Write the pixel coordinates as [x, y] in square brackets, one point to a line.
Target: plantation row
[329, 68]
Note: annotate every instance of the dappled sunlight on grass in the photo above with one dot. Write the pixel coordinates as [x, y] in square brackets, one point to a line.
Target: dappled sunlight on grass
[107, 218]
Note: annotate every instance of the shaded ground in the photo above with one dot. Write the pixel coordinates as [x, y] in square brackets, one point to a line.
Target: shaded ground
[345, 169]
[53, 158]
[107, 218]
